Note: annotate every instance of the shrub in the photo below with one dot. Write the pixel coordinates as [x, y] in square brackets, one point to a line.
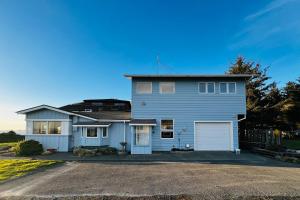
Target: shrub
[107, 150]
[28, 148]
[81, 152]
[11, 137]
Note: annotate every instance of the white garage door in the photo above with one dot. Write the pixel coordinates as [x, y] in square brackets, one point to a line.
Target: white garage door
[213, 136]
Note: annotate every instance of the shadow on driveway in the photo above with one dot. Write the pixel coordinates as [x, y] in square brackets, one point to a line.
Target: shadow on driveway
[211, 157]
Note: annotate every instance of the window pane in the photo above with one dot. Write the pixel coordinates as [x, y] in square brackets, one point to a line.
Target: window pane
[91, 132]
[142, 139]
[167, 124]
[210, 87]
[144, 87]
[202, 87]
[54, 128]
[231, 87]
[167, 134]
[223, 88]
[104, 132]
[39, 127]
[167, 88]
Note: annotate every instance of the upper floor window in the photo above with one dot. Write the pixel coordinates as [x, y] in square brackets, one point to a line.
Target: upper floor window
[167, 87]
[45, 127]
[227, 88]
[143, 87]
[208, 87]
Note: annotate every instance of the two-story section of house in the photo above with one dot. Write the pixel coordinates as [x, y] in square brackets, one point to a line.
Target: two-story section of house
[199, 112]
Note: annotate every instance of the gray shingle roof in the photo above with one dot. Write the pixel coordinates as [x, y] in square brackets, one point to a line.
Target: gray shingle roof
[142, 121]
[107, 115]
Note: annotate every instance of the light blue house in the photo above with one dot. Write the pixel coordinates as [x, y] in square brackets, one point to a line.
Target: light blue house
[199, 112]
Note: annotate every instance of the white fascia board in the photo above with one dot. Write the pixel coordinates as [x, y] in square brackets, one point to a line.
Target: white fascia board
[90, 125]
[113, 120]
[54, 109]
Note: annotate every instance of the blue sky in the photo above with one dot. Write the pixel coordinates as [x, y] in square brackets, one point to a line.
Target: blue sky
[60, 52]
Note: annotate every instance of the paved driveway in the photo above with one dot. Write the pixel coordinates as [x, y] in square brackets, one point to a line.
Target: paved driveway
[215, 180]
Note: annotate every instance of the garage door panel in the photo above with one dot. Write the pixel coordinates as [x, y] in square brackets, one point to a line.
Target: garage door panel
[214, 136]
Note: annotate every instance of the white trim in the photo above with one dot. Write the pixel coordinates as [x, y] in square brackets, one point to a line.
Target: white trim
[124, 132]
[234, 88]
[227, 88]
[206, 88]
[142, 124]
[50, 120]
[47, 130]
[113, 120]
[221, 121]
[46, 135]
[167, 131]
[106, 132]
[54, 109]
[90, 125]
[160, 89]
[135, 88]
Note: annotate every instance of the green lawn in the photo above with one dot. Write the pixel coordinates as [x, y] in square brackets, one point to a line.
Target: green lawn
[291, 144]
[15, 168]
[9, 144]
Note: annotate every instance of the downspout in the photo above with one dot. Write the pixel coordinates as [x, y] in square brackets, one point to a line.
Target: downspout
[242, 119]
[238, 151]
[124, 139]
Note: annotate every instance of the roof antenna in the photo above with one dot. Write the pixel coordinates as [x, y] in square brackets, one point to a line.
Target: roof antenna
[158, 63]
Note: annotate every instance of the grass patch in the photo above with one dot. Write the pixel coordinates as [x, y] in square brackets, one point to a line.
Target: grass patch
[15, 168]
[8, 144]
[291, 144]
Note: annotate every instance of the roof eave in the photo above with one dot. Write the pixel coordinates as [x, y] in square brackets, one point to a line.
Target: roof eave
[52, 108]
[130, 76]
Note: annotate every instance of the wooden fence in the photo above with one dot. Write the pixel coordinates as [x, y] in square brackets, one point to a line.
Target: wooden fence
[259, 138]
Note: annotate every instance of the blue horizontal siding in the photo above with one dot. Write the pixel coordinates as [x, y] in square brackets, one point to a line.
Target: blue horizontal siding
[60, 142]
[186, 106]
[46, 114]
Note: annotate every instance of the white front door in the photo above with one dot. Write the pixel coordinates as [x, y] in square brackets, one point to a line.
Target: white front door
[142, 135]
[213, 136]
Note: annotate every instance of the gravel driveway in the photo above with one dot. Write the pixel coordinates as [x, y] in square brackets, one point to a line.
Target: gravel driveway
[195, 180]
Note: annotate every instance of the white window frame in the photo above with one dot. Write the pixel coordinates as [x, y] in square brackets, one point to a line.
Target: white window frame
[86, 128]
[40, 121]
[160, 87]
[227, 88]
[47, 129]
[138, 82]
[106, 132]
[206, 88]
[234, 88]
[166, 130]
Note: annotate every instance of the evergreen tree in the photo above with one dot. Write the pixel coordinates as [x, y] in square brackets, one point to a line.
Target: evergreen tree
[256, 90]
[291, 105]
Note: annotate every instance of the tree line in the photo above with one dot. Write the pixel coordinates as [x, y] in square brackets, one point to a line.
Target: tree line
[267, 105]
